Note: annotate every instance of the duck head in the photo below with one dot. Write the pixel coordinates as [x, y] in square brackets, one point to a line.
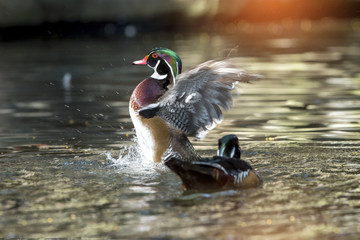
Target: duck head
[229, 147]
[165, 63]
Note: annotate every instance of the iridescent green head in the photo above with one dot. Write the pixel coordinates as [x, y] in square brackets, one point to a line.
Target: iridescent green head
[229, 147]
[165, 62]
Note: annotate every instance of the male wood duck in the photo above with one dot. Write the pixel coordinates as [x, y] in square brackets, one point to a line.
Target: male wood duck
[224, 171]
[169, 105]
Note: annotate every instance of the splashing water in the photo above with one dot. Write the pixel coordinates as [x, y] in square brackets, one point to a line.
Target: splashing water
[131, 161]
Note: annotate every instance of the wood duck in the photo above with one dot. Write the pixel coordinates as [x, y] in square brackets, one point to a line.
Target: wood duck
[224, 171]
[169, 105]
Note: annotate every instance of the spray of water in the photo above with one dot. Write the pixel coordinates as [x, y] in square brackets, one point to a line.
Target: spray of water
[131, 162]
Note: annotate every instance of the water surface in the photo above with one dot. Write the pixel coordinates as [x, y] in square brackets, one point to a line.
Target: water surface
[70, 168]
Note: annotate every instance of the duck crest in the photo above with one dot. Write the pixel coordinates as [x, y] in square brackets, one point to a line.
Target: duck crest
[172, 60]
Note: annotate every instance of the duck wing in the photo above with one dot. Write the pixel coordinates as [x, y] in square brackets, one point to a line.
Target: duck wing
[216, 173]
[194, 103]
[224, 169]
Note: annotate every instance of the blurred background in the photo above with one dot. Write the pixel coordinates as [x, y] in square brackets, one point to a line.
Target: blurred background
[23, 19]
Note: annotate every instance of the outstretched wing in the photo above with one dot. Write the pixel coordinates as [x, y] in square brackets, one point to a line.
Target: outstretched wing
[193, 103]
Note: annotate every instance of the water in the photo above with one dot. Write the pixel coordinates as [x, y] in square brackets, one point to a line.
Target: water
[69, 166]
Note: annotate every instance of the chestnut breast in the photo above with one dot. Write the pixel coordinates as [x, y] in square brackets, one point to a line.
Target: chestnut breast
[153, 134]
[147, 92]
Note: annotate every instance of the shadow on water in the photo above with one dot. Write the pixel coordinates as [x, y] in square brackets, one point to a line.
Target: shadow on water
[70, 167]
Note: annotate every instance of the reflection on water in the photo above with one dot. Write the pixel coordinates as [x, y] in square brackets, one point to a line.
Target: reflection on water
[70, 167]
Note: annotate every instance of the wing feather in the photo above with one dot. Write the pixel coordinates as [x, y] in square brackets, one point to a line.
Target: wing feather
[194, 104]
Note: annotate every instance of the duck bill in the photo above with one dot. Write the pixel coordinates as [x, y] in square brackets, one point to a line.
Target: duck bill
[142, 61]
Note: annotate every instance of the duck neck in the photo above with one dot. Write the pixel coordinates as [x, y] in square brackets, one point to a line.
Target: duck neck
[164, 83]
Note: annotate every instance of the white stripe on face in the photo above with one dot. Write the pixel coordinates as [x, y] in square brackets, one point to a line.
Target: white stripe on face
[171, 70]
[156, 75]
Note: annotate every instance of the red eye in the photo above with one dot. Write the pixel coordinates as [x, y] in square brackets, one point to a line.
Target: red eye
[154, 55]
